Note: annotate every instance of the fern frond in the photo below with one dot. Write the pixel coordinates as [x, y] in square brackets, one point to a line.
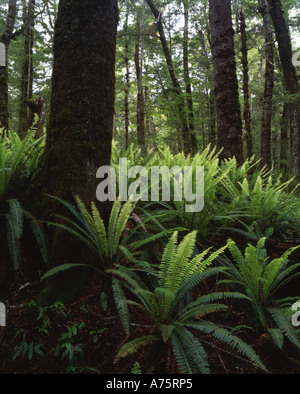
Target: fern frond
[122, 306]
[285, 325]
[134, 345]
[234, 342]
[190, 354]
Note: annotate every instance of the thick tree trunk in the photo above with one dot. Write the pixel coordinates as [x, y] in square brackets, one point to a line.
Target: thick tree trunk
[5, 39]
[269, 87]
[185, 132]
[27, 72]
[227, 104]
[79, 132]
[244, 61]
[290, 78]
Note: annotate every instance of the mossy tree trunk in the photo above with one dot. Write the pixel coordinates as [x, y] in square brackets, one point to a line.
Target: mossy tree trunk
[79, 132]
[227, 104]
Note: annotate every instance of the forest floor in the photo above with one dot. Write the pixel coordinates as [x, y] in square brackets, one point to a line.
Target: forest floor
[98, 334]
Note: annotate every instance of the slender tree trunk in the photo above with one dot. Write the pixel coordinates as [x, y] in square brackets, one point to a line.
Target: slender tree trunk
[284, 140]
[5, 39]
[212, 119]
[127, 87]
[139, 60]
[269, 86]
[27, 72]
[244, 60]
[291, 81]
[140, 99]
[227, 104]
[187, 81]
[185, 132]
[212, 130]
[79, 132]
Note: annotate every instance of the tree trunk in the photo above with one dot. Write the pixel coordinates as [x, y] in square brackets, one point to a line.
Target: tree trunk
[284, 141]
[140, 99]
[5, 39]
[244, 60]
[227, 104]
[269, 87]
[187, 81]
[79, 132]
[212, 119]
[290, 78]
[27, 69]
[185, 132]
[127, 87]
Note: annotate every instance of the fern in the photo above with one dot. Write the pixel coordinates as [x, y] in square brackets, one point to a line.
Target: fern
[132, 346]
[122, 306]
[234, 342]
[162, 303]
[60, 268]
[260, 279]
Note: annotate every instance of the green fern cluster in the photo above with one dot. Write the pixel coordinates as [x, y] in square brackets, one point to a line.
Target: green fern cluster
[18, 160]
[260, 279]
[105, 243]
[14, 230]
[167, 304]
[240, 198]
[262, 201]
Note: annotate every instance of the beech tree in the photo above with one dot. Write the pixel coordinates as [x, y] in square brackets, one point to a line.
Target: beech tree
[227, 104]
[79, 132]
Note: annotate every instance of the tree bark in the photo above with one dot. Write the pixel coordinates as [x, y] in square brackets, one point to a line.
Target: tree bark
[269, 86]
[5, 39]
[227, 104]
[79, 132]
[290, 78]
